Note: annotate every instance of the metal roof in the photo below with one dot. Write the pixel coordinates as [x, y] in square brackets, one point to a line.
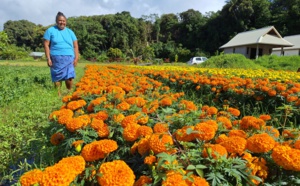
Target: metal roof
[295, 39]
[267, 35]
[37, 54]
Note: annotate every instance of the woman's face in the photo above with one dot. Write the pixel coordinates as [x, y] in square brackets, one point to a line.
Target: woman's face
[61, 22]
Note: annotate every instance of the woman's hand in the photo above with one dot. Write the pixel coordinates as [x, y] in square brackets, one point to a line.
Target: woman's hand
[75, 62]
[49, 62]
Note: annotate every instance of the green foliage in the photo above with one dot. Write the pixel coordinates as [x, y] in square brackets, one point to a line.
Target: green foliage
[3, 40]
[114, 53]
[230, 61]
[12, 52]
[27, 98]
[279, 62]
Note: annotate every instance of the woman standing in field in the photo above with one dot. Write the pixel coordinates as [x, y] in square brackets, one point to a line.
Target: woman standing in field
[61, 49]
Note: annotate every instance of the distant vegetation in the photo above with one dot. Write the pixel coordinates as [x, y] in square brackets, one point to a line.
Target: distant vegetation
[170, 37]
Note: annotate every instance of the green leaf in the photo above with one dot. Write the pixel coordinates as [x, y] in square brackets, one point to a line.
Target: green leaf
[191, 167]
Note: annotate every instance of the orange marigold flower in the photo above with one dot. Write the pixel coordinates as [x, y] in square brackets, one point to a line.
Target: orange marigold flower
[129, 120]
[272, 93]
[297, 144]
[74, 124]
[213, 123]
[225, 122]
[260, 143]
[64, 119]
[102, 115]
[234, 112]
[182, 135]
[130, 133]
[123, 106]
[161, 127]
[103, 132]
[107, 146]
[116, 173]
[272, 131]
[217, 150]
[166, 101]
[290, 133]
[76, 143]
[64, 172]
[74, 105]
[158, 142]
[144, 131]
[286, 157]
[97, 124]
[204, 131]
[249, 122]
[118, 118]
[204, 107]
[142, 118]
[149, 160]
[143, 180]
[86, 120]
[265, 117]
[143, 146]
[174, 178]
[66, 98]
[134, 148]
[239, 133]
[187, 105]
[31, 177]
[138, 101]
[234, 144]
[292, 98]
[212, 111]
[198, 181]
[57, 138]
[90, 152]
[257, 166]
[221, 138]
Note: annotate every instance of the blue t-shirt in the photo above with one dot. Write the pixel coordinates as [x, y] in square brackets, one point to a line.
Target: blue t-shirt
[61, 41]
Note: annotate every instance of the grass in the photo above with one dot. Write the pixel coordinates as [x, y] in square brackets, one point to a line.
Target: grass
[27, 100]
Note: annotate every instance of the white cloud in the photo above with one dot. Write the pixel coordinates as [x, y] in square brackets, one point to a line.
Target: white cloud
[44, 12]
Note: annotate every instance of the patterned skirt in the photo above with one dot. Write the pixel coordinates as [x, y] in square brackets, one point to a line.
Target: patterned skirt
[62, 68]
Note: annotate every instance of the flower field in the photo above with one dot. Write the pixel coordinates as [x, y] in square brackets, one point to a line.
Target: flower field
[163, 125]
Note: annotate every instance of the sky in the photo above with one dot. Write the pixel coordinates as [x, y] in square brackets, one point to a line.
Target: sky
[44, 11]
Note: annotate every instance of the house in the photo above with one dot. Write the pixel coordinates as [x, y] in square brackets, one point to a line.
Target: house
[256, 43]
[289, 51]
[37, 55]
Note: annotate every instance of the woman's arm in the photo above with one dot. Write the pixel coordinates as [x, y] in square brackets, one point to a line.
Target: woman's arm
[76, 52]
[47, 52]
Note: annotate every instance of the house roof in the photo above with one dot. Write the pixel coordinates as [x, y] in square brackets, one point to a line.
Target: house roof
[267, 35]
[295, 39]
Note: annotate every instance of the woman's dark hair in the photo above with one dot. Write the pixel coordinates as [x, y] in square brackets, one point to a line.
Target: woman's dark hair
[58, 15]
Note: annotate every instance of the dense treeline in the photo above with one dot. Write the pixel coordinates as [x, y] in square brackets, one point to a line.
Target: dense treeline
[173, 36]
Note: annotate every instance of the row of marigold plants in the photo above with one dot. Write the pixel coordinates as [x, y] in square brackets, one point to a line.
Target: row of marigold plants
[121, 126]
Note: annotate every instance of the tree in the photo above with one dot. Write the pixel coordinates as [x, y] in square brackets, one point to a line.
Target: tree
[3, 40]
[20, 32]
[286, 16]
[190, 29]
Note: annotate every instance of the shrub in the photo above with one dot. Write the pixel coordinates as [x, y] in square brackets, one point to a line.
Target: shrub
[230, 61]
[279, 62]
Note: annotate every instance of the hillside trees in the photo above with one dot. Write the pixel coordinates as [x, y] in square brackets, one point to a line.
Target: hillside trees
[192, 31]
